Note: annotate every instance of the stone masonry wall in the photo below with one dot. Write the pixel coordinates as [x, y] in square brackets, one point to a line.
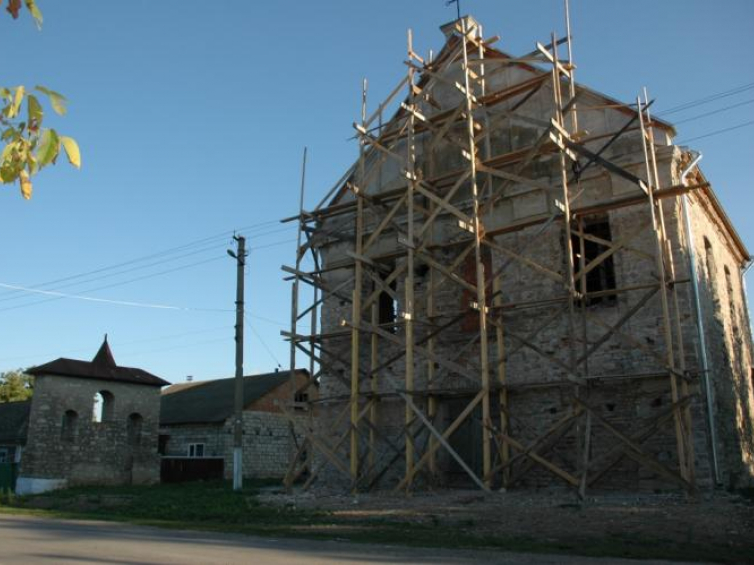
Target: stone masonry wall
[267, 443]
[727, 328]
[94, 452]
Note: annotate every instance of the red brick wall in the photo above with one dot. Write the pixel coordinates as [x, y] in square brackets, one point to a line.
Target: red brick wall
[281, 394]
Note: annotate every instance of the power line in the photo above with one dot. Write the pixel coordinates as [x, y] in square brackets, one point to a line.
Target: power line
[271, 244]
[117, 273]
[169, 251]
[707, 99]
[130, 262]
[90, 298]
[724, 130]
[16, 295]
[58, 295]
[113, 285]
[264, 344]
[724, 109]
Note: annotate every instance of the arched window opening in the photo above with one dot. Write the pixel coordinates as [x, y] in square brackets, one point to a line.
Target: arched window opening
[134, 428]
[68, 428]
[728, 283]
[709, 261]
[731, 305]
[104, 404]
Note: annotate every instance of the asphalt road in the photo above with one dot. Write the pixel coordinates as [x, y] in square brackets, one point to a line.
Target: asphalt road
[32, 541]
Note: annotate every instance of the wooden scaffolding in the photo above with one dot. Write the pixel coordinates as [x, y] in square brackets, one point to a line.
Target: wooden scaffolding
[378, 361]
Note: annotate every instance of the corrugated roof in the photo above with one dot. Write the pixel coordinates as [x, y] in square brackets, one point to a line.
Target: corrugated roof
[14, 422]
[102, 367]
[213, 401]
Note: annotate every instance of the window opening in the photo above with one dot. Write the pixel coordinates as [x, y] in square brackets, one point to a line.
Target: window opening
[68, 427]
[134, 428]
[731, 305]
[102, 411]
[601, 277]
[299, 399]
[196, 450]
[162, 444]
[387, 305]
[710, 261]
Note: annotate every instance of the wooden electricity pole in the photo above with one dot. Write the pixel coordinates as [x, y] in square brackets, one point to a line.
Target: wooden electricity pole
[240, 257]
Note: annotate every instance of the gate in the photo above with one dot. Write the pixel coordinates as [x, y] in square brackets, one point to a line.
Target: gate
[8, 472]
[183, 469]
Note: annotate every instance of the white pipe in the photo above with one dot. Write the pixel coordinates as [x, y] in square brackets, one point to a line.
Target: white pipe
[703, 358]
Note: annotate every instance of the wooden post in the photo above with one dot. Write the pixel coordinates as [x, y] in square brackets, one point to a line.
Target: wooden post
[668, 252]
[409, 282]
[501, 380]
[667, 329]
[481, 286]
[356, 307]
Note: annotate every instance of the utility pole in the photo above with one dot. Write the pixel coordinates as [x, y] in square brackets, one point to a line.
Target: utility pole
[240, 257]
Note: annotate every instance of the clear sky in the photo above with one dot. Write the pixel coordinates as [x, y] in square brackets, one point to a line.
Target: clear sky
[192, 117]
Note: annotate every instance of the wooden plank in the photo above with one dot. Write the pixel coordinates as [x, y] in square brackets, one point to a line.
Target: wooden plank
[387, 219]
[565, 475]
[445, 443]
[636, 452]
[526, 261]
[446, 435]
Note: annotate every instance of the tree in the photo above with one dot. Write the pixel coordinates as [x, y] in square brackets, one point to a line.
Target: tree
[15, 386]
[29, 147]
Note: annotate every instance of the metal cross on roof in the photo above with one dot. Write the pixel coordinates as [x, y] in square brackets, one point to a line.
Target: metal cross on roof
[458, 6]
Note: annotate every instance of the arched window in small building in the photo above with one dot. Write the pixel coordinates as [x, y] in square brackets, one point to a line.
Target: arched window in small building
[134, 428]
[104, 404]
[68, 428]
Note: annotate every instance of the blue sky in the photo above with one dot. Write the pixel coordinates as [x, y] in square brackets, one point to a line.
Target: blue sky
[192, 117]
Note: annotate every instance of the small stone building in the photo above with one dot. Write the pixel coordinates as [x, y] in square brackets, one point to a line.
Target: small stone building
[91, 422]
[196, 421]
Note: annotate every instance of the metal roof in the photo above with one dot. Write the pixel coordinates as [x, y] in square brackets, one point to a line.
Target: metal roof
[213, 401]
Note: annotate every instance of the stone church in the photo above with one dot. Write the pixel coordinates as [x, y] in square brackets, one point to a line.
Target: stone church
[525, 283]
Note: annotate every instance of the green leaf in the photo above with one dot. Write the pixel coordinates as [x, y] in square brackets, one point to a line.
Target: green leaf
[72, 150]
[49, 147]
[35, 111]
[9, 133]
[32, 164]
[7, 174]
[57, 100]
[7, 152]
[31, 5]
[18, 98]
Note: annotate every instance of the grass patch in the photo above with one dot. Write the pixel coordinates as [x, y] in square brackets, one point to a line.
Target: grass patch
[214, 506]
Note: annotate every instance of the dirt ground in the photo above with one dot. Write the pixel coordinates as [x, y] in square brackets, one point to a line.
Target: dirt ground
[719, 519]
